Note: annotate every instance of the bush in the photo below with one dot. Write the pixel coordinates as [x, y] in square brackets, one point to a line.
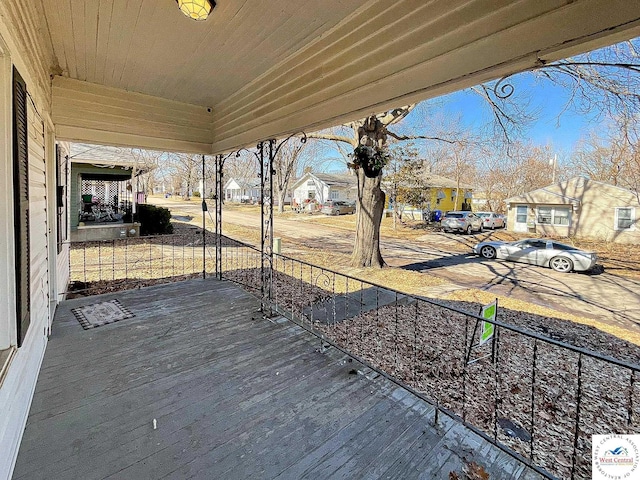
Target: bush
[196, 194]
[154, 220]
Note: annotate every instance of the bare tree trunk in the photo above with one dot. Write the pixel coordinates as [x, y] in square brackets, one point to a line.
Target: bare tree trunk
[282, 194]
[371, 132]
[366, 251]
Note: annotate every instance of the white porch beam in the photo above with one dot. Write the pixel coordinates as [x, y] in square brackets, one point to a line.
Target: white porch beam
[89, 113]
[390, 54]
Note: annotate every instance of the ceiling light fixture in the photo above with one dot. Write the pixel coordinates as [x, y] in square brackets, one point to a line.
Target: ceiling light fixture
[196, 9]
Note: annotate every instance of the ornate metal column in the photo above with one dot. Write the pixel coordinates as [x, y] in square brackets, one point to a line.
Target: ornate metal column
[267, 171]
[203, 197]
[266, 226]
[219, 197]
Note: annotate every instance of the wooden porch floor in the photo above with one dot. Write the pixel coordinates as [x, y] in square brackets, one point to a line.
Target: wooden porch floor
[234, 396]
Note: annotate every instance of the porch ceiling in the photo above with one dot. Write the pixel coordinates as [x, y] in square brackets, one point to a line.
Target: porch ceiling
[148, 46]
[269, 68]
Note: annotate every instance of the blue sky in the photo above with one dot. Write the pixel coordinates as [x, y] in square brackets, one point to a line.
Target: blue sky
[563, 134]
[557, 127]
[548, 100]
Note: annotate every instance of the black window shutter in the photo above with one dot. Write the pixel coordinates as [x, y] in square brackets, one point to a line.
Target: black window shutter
[21, 205]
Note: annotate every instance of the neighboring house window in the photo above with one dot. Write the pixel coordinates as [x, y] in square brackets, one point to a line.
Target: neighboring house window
[335, 195]
[625, 218]
[544, 215]
[553, 215]
[312, 195]
[561, 216]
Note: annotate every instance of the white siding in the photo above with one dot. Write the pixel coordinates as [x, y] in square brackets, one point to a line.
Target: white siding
[301, 193]
[324, 193]
[17, 389]
[15, 398]
[21, 34]
[62, 265]
[342, 193]
[38, 220]
[62, 257]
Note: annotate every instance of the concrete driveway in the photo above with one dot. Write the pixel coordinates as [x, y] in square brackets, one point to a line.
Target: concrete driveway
[608, 298]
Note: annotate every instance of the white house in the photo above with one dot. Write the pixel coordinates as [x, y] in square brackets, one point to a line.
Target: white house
[242, 190]
[140, 74]
[325, 186]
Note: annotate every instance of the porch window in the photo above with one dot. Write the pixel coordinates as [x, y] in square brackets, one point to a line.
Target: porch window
[625, 218]
[521, 214]
[335, 195]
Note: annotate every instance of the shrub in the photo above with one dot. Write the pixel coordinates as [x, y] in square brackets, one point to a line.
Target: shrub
[154, 220]
[196, 194]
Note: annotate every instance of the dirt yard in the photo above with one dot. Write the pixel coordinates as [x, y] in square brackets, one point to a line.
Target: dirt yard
[327, 241]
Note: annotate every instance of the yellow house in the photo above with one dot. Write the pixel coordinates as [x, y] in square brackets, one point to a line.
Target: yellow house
[435, 192]
[447, 194]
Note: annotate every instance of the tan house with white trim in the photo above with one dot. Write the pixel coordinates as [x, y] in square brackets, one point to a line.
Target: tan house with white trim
[578, 207]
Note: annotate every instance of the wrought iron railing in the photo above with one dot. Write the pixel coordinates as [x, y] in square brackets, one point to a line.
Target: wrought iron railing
[241, 263]
[131, 262]
[538, 398]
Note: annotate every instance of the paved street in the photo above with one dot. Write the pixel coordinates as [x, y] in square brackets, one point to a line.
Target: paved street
[609, 298]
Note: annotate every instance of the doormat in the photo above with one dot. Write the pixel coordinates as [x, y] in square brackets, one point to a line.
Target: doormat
[98, 314]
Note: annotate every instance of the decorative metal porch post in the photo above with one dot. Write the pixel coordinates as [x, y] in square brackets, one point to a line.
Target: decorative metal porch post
[219, 197]
[266, 227]
[204, 222]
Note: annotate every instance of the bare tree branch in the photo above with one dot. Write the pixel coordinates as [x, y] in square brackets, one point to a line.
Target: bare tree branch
[396, 115]
[418, 137]
[335, 138]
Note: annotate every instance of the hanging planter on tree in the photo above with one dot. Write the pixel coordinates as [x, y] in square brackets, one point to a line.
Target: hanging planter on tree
[371, 160]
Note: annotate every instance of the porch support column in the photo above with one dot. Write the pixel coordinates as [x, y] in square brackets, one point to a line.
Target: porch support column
[203, 197]
[266, 227]
[219, 196]
[134, 191]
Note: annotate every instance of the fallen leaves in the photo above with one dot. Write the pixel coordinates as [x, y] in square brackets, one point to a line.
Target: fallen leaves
[470, 471]
[476, 472]
[425, 347]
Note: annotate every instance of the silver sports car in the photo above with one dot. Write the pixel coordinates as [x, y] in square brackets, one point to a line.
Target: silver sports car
[538, 251]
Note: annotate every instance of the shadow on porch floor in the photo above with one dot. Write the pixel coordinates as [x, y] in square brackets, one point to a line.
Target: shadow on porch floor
[232, 396]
